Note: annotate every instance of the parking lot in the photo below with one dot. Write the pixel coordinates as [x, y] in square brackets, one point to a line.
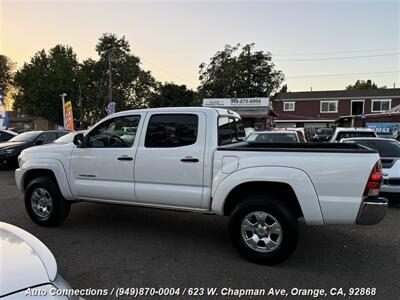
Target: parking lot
[104, 246]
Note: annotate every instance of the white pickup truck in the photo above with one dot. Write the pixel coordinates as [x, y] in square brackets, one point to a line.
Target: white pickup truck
[195, 159]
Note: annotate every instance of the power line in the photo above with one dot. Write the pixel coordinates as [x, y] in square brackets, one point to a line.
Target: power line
[344, 74]
[335, 52]
[337, 58]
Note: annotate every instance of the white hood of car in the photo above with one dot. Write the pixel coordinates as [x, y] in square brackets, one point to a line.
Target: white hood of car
[24, 260]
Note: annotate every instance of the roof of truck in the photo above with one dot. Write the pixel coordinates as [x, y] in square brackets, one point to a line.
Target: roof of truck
[220, 111]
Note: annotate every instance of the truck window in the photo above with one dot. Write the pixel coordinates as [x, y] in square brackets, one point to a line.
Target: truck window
[230, 130]
[113, 134]
[171, 130]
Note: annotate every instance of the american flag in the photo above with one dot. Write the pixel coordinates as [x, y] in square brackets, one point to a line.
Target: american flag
[111, 108]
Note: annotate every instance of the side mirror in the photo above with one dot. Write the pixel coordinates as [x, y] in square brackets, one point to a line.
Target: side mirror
[39, 142]
[78, 140]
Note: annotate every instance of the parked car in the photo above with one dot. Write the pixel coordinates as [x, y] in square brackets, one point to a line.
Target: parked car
[28, 265]
[10, 150]
[19, 130]
[322, 135]
[389, 151]
[273, 137]
[196, 159]
[68, 138]
[351, 132]
[6, 135]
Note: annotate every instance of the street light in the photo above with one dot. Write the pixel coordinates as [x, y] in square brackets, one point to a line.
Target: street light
[63, 95]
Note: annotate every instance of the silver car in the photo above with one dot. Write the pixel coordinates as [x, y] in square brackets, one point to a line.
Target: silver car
[28, 268]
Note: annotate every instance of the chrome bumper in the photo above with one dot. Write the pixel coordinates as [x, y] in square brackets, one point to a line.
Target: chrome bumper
[372, 210]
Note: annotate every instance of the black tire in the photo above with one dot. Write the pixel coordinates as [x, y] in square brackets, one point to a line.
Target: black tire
[60, 207]
[287, 238]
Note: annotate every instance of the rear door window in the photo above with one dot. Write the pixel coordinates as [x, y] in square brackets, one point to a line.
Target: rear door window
[171, 130]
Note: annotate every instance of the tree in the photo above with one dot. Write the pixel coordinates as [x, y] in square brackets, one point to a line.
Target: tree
[173, 95]
[6, 74]
[41, 82]
[363, 85]
[283, 89]
[132, 87]
[239, 72]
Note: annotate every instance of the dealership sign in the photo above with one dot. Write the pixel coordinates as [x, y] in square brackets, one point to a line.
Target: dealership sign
[385, 128]
[235, 102]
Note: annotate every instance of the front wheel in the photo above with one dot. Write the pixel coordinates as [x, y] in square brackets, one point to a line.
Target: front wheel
[44, 202]
[263, 229]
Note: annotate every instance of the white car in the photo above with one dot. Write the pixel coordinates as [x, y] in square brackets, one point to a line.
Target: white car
[389, 151]
[351, 132]
[196, 159]
[27, 266]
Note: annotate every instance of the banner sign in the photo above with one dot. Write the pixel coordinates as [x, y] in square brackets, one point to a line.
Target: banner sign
[69, 117]
[110, 108]
[385, 128]
[4, 121]
[235, 102]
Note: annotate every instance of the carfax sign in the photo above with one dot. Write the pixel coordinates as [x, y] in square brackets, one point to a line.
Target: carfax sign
[385, 128]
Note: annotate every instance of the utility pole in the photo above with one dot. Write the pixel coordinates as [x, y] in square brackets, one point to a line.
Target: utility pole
[63, 107]
[109, 76]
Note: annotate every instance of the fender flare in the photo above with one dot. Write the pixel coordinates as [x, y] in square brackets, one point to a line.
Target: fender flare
[53, 165]
[296, 178]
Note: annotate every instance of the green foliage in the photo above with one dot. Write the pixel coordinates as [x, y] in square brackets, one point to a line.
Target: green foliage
[364, 85]
[239, 72]
[41, 81]
[173, 95]
[283, 89]
[6, 74]
[132, 87]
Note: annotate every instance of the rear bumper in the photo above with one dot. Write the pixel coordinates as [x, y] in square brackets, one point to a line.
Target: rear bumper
[372, 210]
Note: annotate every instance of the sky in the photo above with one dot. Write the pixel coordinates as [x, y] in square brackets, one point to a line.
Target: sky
[323, 45]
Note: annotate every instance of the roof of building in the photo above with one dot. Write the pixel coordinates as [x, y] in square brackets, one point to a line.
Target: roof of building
[338, 94]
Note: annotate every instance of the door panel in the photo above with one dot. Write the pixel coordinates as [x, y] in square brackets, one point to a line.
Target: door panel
[104, 167]
[169, 161]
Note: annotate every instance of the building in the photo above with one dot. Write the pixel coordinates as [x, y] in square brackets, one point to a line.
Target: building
[27, 122]
[323, 108]
[255, 112]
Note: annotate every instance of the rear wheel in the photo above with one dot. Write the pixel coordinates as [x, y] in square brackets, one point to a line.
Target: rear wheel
[44, 202]
[263, 229]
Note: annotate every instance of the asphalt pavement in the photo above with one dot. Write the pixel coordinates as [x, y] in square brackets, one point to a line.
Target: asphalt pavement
[109, 246]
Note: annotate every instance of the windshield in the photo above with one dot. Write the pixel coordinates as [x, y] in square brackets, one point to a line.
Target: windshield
[26, 136]
[389, 148]
[272, 138]
[354, 134]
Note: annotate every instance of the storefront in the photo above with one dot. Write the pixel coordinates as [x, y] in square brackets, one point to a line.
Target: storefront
[255, 112]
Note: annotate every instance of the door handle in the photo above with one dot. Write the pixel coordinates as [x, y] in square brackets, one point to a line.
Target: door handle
[189, 159]
[125, 157]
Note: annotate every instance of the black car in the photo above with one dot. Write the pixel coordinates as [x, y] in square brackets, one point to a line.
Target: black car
[6, 135]
[322, 135]
[9, 151]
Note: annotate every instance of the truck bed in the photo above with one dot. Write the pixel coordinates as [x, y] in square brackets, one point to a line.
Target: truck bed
[298, 147]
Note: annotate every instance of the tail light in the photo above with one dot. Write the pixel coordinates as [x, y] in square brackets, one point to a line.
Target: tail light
[374, 181]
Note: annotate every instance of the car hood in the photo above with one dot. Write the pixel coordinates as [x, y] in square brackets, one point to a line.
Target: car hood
[24, 261]
[50, 148]
[6, 145]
